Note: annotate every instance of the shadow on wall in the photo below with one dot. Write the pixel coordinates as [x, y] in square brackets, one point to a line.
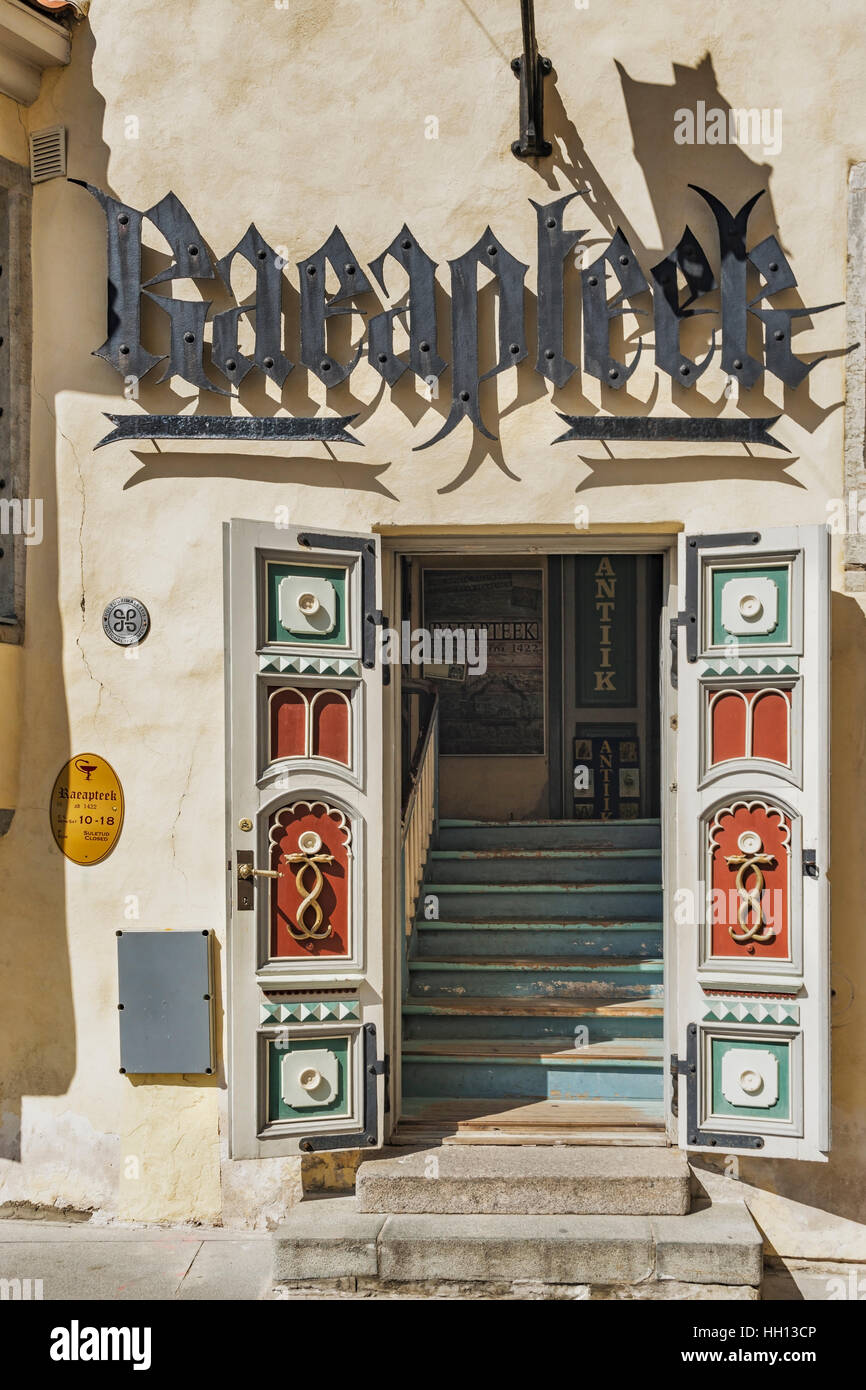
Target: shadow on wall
[38, 1030]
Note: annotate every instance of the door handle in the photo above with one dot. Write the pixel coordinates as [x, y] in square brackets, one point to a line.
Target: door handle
[248, 871]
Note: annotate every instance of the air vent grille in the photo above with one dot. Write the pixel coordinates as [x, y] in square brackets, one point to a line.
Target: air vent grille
[48, 154]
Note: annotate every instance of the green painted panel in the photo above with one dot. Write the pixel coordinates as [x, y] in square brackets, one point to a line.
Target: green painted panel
[276, 572]
[780, 576]
[780, 1050]
[338, 1105]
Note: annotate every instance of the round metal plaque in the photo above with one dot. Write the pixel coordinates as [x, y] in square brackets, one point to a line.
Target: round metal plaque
[126, 621]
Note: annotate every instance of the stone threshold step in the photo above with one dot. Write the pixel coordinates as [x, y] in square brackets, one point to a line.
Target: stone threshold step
[329, 1238]
[525, 1181]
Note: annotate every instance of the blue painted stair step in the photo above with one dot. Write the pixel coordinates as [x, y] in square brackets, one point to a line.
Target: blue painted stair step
[541, 978]
[537, 902]
[548, 1070]
[544, 866]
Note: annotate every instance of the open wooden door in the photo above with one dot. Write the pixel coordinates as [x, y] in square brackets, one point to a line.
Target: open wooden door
[306, 858]
[751, 897]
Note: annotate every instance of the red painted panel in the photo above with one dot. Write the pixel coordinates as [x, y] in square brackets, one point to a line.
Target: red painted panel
[289, 919]
[331, 726]
[772, 829]
[728, 727]
[288, 724]
[770, 726]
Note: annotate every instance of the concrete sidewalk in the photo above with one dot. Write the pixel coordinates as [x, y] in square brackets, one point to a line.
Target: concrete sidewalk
[80, 1261]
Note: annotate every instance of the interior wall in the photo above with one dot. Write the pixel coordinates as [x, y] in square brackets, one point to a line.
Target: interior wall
[491, 787]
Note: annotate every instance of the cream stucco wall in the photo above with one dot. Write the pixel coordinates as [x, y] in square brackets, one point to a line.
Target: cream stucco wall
[299, 119]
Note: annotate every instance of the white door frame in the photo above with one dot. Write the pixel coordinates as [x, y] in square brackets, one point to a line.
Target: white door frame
[409, 542]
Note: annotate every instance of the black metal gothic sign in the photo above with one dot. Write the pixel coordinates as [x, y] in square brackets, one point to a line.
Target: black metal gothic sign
[677, 283]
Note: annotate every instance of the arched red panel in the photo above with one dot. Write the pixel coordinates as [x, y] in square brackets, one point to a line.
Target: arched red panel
[291, 920]
[770, 726]
[330, 716]
[728, 727]
[772, 832]
[288, 724]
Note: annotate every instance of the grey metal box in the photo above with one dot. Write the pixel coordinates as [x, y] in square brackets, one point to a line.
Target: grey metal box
[165, 1001]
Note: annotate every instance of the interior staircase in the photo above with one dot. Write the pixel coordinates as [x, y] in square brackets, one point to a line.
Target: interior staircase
[534, 1009]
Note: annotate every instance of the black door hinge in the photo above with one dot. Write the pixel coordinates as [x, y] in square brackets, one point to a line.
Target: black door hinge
[810, 866]
[368, 1135]
[376, 618]
[677, 1068]
[689, 615]
[382, 1067]
[712, 1139]
[366, 548]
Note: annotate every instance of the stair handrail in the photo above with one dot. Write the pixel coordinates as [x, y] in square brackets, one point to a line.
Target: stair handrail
[421, 812]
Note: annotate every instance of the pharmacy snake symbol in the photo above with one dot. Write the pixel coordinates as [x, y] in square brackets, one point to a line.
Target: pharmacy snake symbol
[749, 860]
[307, 856]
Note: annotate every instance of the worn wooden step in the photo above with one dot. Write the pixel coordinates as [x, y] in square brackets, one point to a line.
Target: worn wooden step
[539, 1069]
[512, 865]
[531, 1018]
[571, 978]
[496, 1116]
[560, 1051]
[494, 1179]
[483, 938]
[543, 902]
[476, 1120]
[533, 1007]
[549, 834]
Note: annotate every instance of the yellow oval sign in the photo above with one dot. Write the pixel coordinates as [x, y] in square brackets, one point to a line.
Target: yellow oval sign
[86, 809]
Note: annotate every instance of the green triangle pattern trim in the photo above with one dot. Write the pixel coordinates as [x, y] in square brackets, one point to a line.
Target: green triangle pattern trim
[741, 666]
[310, 665]
[309, 1011]
[739, 1011]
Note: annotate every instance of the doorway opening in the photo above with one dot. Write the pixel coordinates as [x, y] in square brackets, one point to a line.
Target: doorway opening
[533, 982]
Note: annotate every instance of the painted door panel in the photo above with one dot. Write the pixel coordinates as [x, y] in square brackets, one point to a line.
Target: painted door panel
[751, 897]
[305, 850]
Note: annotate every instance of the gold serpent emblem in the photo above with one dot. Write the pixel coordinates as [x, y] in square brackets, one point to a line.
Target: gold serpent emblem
[307, 856]
[749, 860]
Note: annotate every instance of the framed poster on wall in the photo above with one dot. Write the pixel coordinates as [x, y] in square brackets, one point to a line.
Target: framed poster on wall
[497, 710]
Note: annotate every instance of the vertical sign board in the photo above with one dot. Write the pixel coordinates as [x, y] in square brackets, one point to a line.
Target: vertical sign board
[606, 757]
[606, 778]
[606, 608]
